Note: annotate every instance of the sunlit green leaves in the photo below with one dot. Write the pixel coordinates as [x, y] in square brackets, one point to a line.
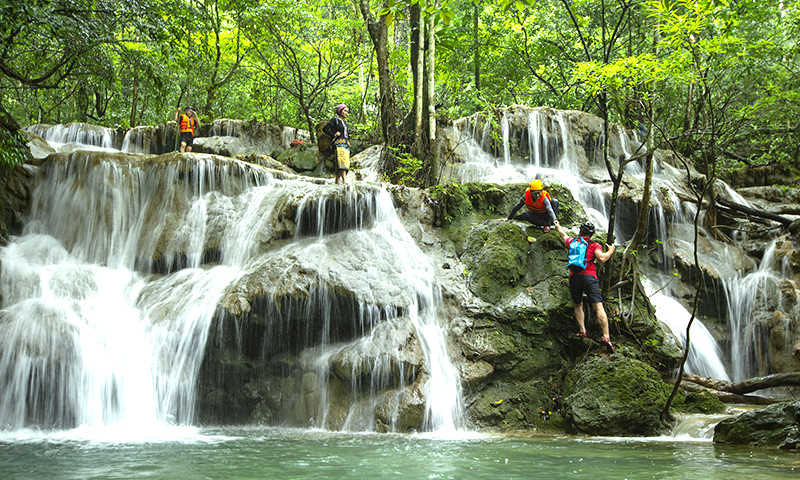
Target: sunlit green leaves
[12, 148]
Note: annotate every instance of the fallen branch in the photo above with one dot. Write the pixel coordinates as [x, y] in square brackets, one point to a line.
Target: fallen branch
[746, 386]
[728, 397]
[753, 212]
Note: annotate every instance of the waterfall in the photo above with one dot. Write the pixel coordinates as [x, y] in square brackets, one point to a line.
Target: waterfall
[704, 353]
[537, 145]
[76, 133]
[126, 267]
[374, 220]
[743, 293]
[226, 127]
[553, 158]
[504, 131]
[112, 346]
[138, 140]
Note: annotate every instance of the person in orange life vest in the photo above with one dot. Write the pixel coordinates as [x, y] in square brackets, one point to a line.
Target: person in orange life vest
[187, 122]
[541, 209]
[586, 282]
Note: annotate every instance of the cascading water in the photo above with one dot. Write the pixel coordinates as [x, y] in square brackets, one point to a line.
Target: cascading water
[553, 159]
[743, 294]
[115, 347]
[327, 221]
[77, 133]
[705, 356]
[226, 127]
[138, 140]
[114, 287]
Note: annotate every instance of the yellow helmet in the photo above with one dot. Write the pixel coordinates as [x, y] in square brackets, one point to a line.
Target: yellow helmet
[536, 185]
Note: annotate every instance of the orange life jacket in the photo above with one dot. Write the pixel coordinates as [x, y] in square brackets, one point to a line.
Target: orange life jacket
[538, 205]
[187, 124]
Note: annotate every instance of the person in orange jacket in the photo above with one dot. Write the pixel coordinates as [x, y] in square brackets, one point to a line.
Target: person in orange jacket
[542, 210]
[187, 122]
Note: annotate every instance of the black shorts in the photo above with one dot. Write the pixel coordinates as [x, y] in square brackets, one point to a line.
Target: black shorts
[539, 219]
[588, 284]
[187, 138]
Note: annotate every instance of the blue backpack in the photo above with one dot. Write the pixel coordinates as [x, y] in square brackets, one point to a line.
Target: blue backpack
[576, 259]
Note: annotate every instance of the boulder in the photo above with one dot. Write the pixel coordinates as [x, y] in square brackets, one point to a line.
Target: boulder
[496, 253]
[39, 147]
[614, 396]
[301, 158]
[774, 425]
[225, 146]
[265, 161]
[703, 402]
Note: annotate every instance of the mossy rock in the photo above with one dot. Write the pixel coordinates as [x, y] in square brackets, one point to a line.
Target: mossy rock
[774, 425]
[451, 204]
[488, 199]
[302, 158]
[703, 402]
[514, 407]
[496, 257]
[615, 396]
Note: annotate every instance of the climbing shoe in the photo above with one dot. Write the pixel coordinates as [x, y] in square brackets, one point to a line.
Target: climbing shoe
[607, 343]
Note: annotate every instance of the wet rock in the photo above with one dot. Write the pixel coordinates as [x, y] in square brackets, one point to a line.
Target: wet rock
[774, 425]
[225, 146]
[265, 161]
[772, 174]
[39, 148]
[496, 255]
[301, 159]
[614, 396]
[703, 402]
[473, 374]
[492, 346]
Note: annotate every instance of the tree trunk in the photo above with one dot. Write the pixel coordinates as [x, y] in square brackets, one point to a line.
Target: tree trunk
[417, 64]
[81, 104]
[378, 33]
[134, 95]
[746, 386]
[753, 212]
[644, 208]
[476, 45]
[7, 122]
[433, 173]
[615, 178]
[728, 397]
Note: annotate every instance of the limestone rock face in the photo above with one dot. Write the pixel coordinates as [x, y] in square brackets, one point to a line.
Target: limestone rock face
[497, 254]
[614, 396]
[225, 146]
[774, 425]
[39, 148]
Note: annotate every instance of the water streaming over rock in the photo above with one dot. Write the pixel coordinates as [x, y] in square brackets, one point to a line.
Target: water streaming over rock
[563, 147]
[82, 134]
[140, 140]
[128, 266]
[745, 294]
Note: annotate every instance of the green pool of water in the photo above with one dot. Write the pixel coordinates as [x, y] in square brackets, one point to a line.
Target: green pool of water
[261, 453]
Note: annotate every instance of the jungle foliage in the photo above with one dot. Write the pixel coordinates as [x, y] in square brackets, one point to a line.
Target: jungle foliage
[715, 79]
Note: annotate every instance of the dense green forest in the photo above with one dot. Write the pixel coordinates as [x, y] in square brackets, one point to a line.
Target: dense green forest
[717, 80]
